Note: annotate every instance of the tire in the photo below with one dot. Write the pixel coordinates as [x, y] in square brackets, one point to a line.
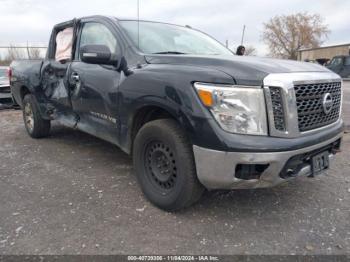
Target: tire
[164, 164]
[36, 126]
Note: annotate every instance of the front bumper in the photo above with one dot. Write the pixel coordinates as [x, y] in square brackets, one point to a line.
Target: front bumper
[217, 169]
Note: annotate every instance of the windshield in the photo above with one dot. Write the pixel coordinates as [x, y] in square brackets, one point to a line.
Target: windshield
[158, 38]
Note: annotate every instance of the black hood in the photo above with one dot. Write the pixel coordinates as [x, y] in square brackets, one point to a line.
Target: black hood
[246, 70]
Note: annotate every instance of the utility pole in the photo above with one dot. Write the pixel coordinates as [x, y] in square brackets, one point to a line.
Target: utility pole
[28, 53]
[243, 34]
[138, 23]
[226, 43]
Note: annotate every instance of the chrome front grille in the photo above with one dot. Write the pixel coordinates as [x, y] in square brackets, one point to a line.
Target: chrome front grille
[277, 107]
[309, 102]
[300, 103]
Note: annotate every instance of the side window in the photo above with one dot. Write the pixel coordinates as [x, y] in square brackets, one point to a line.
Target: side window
[347, 61]
[337, 61]
[98, 34]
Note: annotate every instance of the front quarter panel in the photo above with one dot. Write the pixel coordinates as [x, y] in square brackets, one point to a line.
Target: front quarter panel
[169, 87]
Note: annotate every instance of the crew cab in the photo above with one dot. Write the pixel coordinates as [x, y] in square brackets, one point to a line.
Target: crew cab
[192, 114]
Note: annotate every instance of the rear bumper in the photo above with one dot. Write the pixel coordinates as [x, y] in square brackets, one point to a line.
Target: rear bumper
[218, 169]
[5, 89]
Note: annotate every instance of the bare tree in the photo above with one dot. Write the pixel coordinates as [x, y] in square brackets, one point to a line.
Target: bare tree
[286, 34]
[14, 53]
[4, 61]
[250, 50]
[34, 53]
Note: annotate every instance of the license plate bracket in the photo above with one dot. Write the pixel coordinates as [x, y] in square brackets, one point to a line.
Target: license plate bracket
[320, 162]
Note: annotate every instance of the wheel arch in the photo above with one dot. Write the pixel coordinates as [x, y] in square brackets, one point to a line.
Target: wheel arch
[146, 113]
[23, 91]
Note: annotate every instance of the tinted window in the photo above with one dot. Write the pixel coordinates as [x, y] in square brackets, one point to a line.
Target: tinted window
[347, 61]
[98, 34]
[337, 61]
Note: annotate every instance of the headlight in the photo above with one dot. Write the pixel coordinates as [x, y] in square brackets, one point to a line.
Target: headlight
[237, 109]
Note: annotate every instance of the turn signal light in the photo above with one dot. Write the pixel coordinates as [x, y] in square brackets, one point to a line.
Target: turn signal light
[206, 97]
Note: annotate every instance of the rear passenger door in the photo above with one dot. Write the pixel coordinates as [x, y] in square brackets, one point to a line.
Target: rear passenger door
[95, 95]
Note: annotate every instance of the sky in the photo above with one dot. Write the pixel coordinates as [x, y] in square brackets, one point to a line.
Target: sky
[32, 20]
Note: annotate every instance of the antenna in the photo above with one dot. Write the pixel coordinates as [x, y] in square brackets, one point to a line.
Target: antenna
[138, 24]
[243, 34]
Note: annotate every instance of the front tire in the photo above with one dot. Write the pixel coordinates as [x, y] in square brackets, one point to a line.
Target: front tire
[36, 126]
[165, 168]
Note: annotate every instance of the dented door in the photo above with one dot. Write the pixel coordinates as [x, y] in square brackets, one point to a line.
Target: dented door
[55, 85]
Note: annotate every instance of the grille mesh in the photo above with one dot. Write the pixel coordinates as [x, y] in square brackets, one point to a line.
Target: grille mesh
[309, 99]
[277, 107]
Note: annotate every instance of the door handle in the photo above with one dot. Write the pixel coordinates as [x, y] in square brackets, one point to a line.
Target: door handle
[75, 77]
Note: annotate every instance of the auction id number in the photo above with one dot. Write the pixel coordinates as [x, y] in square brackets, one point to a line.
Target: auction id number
[172, 258]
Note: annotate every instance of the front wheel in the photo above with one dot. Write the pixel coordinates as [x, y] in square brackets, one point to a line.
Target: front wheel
[164, 164]
[36, 126]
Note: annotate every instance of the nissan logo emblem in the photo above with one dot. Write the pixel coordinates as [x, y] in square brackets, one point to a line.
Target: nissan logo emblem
[327, 103]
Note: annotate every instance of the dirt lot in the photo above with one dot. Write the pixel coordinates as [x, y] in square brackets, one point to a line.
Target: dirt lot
[74, 194]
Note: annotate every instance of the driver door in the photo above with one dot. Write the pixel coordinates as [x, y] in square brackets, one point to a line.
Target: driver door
[95, 86]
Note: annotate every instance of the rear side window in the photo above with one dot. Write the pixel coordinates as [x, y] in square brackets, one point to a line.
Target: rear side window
[98, 34]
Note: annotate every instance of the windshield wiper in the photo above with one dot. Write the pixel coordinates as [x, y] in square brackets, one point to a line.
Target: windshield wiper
[169, 52]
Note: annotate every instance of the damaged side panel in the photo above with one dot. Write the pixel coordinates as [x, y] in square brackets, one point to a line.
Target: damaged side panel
[78, 95]
[55, 85]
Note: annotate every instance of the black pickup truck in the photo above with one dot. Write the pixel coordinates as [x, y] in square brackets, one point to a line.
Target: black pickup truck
[193, 115]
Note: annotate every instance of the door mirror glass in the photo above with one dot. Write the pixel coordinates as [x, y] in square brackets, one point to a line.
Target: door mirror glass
[97, 54]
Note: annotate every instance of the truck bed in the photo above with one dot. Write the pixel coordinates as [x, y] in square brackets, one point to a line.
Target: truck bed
[25, 73]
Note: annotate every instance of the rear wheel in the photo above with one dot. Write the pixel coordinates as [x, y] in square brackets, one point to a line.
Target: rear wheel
[164, 164]
[36, 126]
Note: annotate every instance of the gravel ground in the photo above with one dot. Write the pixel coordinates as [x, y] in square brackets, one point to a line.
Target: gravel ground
[74, 194]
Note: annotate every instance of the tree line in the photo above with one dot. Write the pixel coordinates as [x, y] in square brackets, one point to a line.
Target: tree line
[16, 53]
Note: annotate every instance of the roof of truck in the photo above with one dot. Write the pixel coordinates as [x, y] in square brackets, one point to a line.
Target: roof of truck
[70, 22]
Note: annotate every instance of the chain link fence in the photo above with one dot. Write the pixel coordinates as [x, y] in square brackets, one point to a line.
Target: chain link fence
[16, 52]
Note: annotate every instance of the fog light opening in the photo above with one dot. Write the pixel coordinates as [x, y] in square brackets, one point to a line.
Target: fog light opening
[249, 172]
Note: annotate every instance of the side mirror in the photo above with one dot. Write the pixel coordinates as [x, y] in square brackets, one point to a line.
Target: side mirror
[97, 54]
